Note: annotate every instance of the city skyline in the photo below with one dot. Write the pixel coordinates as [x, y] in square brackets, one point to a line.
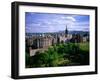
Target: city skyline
[51, 22]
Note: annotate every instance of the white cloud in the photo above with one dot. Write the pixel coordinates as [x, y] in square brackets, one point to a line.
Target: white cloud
[70, 18]
[33, 24]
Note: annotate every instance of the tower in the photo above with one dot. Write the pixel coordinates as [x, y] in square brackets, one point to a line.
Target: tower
[66, 31]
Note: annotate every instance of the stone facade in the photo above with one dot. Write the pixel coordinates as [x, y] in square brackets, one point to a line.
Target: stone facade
[41, 42]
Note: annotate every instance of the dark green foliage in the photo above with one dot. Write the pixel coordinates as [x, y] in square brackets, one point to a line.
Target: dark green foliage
[63, 54]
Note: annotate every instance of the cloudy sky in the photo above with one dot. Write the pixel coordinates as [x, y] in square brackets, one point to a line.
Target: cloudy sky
[47, 22]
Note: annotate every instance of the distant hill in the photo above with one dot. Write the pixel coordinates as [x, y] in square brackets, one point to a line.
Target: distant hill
[60, 32]
[78, 32]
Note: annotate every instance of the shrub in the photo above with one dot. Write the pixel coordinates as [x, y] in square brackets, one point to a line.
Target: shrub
[60, 55]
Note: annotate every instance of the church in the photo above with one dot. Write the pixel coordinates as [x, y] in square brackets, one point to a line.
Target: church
[43, 41]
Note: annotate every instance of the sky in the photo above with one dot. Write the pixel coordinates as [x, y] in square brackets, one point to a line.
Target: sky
[54, 22]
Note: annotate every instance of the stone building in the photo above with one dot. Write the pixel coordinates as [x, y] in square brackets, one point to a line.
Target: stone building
[43, 41]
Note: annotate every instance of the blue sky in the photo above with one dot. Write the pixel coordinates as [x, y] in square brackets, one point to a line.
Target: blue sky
[51, 22]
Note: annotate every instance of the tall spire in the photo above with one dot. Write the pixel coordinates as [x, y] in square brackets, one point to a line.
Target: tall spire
[66, 30]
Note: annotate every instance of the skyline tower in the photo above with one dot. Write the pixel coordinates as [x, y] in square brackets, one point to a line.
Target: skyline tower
[66, 31]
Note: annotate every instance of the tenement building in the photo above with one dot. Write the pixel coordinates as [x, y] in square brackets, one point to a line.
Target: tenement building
[43, 41]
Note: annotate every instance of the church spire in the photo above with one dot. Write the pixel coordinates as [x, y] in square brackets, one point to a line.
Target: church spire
[66, 30]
